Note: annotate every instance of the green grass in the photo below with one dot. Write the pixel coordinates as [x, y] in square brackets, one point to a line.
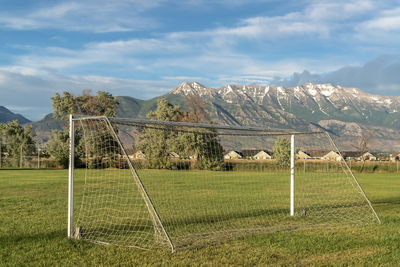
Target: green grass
[33, 232]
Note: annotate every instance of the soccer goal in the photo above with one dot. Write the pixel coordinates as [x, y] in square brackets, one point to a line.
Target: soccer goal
[161, 184]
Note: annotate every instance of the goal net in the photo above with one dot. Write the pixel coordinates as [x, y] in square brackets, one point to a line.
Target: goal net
[151, 184]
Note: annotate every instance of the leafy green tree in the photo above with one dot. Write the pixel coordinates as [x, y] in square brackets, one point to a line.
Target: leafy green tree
[19, 140]
[102, 104]
[157, 144]
[202, 146]
[282, 152]
[58, 148]
[165, 112]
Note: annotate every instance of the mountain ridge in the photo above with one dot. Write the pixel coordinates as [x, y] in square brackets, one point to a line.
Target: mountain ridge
[6, 116]
[311, 102]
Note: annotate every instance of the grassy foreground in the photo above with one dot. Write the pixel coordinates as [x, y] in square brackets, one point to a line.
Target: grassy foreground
[33, 232]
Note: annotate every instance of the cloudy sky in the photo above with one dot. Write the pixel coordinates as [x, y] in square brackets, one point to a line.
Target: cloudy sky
[144, 48]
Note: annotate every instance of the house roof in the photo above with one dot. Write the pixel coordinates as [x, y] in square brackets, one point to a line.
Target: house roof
[353, 154]
[234, 151]
[331, 153]
[253, 152]
[316, 153]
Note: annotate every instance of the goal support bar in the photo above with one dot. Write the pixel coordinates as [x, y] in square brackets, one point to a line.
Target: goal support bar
[71, 177]
[149, 204]
[292, 168]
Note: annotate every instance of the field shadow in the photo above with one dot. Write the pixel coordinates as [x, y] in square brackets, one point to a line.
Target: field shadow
[23, 238]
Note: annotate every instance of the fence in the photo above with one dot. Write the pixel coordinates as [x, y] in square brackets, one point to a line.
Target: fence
[25, 156]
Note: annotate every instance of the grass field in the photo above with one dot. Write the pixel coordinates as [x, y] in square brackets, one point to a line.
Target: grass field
[33, 232]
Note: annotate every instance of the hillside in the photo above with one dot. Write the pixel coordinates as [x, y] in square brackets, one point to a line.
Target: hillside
[44, 127]
[309, 102]
[7, 116]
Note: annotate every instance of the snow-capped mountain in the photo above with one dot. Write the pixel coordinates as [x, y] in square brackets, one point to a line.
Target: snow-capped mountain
[311, 102]
[348, 112]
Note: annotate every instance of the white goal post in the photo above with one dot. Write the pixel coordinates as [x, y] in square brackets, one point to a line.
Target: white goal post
[159, 184]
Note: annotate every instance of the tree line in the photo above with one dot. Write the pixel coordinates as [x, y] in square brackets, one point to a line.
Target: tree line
[199, 144]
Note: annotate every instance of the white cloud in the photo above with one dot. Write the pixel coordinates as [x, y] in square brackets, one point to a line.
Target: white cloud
[316, 19]
[338, 10]
[89, 15]
[388, 20]
[30, 94]
[213, 56]
[272, 27]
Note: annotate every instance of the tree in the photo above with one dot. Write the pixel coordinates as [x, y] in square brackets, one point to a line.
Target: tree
[157, 144]
[362, 147]
[19, 140]
[197, 111]
[165, 112]
[282, 152]
[198, 144]
[102, 104]
[203, 147]
[58, 147]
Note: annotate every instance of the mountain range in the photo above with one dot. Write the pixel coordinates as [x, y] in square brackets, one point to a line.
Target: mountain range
[6, 116]
[347, 113]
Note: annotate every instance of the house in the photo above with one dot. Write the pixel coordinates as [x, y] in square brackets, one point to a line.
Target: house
[351, 155]
[394, 157]
[369, 156]
[173, 155]
[248, 153]
[193, 157]
[262, 155]
[316, 154]
[303, 155]
[139, 155]
[233, 155]
[332, 155]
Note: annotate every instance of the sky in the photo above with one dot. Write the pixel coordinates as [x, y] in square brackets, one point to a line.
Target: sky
[145, 48]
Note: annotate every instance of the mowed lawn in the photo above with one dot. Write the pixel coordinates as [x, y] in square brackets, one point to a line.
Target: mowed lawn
[33, 218]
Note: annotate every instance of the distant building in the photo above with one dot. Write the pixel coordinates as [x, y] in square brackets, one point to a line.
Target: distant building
[351, 155]
[262, 155]
[369, 156]
[233, 155]
[303, 155]
[332, 155]
[316, 154]
[394, 157]
[139, 155]
[173, 155]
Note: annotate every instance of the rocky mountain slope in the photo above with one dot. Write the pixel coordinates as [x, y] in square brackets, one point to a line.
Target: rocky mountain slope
[349, 113]
[7, 116]
[310, 102]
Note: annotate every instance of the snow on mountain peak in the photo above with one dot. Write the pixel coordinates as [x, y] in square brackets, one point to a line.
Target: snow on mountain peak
[321, 94]
[281, 90]
[193, 88]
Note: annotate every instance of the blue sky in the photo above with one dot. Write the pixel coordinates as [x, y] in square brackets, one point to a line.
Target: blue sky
[144, 48]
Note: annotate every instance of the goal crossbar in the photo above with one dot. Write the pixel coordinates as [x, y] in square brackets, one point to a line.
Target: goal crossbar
[130, 121]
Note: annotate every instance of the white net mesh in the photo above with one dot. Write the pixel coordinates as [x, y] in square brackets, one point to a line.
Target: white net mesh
[159, 185]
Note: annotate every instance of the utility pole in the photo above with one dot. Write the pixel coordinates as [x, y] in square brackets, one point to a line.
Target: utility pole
[1, 144]
[38, 157]
[20, 157]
